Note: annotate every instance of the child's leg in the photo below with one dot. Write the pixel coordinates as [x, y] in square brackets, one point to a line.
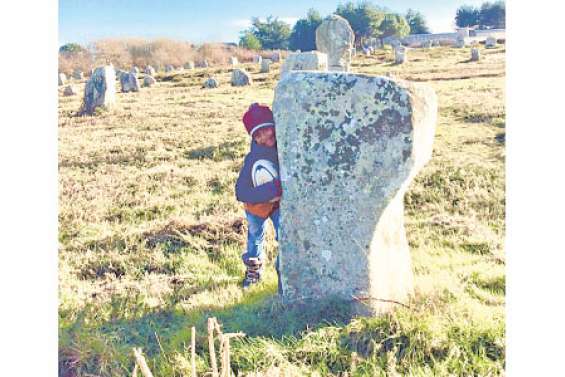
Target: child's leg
[255, 236]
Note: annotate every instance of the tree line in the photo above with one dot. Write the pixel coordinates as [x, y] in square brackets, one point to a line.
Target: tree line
[366, 19]
[487, 16]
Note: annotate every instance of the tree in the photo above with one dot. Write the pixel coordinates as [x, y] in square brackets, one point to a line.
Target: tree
[493, 15]
[417, 22]
[272, 34]
[467, 15]
[303, 35]
[249, 40]
[364, 18]
[394, 25]
[71, 48]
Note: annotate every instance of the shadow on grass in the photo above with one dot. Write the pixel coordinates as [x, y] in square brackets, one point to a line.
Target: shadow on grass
[88, 345]
[228, 150]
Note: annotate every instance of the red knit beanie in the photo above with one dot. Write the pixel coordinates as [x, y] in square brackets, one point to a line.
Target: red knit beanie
[256, 117]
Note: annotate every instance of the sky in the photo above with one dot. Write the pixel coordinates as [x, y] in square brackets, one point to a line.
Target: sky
[84, 21]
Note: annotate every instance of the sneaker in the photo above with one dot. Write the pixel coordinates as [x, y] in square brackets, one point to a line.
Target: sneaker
[252, 273]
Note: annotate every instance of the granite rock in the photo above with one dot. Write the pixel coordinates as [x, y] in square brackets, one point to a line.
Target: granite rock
[305, 61]
[335, 37]
[129, 82]
[100, 89]
[239, 77]
[349, 145]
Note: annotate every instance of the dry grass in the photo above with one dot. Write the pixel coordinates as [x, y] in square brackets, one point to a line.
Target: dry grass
[127, 52]
[150, 234]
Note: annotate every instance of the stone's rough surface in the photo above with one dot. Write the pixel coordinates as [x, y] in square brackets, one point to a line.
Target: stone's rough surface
[490, 42]
[400, 55]
[211, 83]
[233, 61]
[305, 61]
[100, 89]
[149, 81]
[189, 65]
[266, 65]
[475, 54]
[239, 77]
[70, 90]
[78, 75]
[335, 37]
[62, 78]
[349, 146]
[129, 82]
[169, 68]
[149, 70]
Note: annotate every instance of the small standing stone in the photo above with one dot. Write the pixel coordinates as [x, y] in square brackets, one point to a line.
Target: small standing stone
[169, 68]
[149, 70]
[490, 42]
[400, 55]
[211, 83]
[257, 59]
[189, 65]
[233, 61]
[134, 70]
[305, 61]
[78, 75]
[129, 82]
[266, 66]
[70, 90]
[100, 89]
[149, 81]
[427, 44]
[276, 57]
[475, 54]
[62, 79]
[335, 37]
[459, 42]
[240, 77]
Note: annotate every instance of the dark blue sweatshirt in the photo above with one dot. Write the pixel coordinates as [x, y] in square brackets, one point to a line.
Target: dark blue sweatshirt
[256, 181]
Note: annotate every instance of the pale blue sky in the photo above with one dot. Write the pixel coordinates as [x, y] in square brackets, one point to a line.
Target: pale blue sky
[212, 20]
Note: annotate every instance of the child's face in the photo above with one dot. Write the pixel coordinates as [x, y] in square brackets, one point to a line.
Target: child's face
[265, 137]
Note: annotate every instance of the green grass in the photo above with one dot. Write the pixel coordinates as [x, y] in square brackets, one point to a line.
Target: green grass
[150, 235]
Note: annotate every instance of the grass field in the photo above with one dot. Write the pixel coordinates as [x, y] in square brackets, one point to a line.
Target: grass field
[150, 235]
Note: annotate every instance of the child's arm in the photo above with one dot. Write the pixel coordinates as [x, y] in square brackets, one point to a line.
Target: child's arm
[247, 193]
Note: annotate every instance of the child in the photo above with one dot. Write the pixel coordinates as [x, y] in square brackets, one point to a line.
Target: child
[259, 188]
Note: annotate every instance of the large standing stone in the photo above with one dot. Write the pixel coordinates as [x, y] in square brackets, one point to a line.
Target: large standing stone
[62, 78]
[305, 61]
[100, 89]
[459, 42]
[149, 81]
[349, 146]
[70, 90]
[335, 37]
[149, 70]
[490, 42]
[239, 77]
[211, 83]
[400, 55]
[266, 66]
[129, 82]
[257, 59]
[475, 54]
[233, 61]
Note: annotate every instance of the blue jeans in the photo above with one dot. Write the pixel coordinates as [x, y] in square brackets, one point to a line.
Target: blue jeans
[256, 234]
